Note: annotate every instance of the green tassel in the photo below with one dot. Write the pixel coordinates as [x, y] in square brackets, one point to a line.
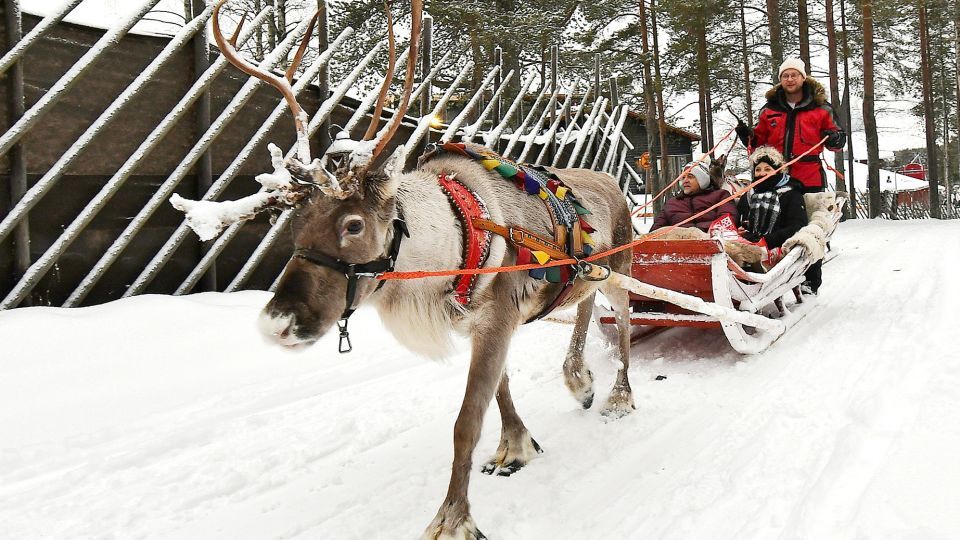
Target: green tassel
[506, 170]
[581, 211]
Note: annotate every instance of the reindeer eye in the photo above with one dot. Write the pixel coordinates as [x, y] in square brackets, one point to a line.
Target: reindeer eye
[354, 226]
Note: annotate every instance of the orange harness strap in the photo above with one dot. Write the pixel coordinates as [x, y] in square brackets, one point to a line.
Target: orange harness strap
[522, 237]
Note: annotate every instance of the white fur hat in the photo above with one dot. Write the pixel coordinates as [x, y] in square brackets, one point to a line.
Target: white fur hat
[767, 154]
[792, 63]
[699, 170]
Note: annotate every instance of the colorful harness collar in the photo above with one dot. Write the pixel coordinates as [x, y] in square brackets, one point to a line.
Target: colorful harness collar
[476, 242]
[571, 232]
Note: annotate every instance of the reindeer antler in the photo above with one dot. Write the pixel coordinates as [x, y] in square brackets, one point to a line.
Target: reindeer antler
[416, 15]
[281, 190]
[283, 84]
[391, 69]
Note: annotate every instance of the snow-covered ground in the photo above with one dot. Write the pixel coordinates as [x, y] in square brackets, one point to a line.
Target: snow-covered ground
[169, 417]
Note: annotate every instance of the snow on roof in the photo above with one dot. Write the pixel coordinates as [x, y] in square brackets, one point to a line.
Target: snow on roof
[165, 19]
[889, 180]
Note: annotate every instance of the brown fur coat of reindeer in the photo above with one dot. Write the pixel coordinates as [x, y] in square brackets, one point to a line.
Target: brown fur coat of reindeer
[348, 215]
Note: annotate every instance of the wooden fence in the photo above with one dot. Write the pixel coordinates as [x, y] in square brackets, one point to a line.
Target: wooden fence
[103, 126]
[890, 208]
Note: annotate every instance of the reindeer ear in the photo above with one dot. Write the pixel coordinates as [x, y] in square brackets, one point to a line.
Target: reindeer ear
[380, 185]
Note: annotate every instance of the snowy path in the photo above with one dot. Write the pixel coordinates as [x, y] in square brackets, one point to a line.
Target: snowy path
[162, 417]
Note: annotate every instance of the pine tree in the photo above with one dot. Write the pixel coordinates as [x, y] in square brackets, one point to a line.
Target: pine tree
[869, 116]
[648, 98]
[929, 117]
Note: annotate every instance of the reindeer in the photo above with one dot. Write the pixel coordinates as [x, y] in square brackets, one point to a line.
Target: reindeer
[355, 215]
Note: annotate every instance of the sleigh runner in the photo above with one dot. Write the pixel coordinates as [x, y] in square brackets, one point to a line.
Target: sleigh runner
[701, 274]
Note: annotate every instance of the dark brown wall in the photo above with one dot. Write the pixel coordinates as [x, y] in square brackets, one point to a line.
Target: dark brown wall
[47, 61]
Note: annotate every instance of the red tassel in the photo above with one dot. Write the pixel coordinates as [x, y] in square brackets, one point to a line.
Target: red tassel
[524, 256]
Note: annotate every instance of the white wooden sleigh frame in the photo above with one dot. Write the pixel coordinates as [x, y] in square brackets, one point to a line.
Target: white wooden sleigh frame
[694, 283]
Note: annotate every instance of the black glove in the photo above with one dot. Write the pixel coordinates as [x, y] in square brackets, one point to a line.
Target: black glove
[835, 139]
[744, 132]
[751, 237]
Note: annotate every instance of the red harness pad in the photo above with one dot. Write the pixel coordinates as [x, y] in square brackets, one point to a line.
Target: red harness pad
[476, 242]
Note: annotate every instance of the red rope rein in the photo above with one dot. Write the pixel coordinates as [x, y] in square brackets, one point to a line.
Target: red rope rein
[565, 262]
[636, 211]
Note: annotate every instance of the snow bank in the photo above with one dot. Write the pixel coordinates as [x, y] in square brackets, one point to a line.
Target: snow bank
[169, 417]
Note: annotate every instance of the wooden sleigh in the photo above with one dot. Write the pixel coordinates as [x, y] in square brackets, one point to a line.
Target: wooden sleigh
[700, 270]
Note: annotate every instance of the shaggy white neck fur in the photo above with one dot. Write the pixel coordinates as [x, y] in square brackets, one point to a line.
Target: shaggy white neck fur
[420, 313]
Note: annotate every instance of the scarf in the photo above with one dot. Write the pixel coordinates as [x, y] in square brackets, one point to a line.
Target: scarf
[765, 208]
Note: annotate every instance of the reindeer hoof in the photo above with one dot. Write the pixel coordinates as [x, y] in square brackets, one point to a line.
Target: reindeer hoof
[491, 467]
[619, 404]
[587, 401]
[580, 384]
[438, 530]
[508, 461]
[616, 412]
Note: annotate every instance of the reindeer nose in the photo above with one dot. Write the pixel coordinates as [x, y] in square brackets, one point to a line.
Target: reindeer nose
[278, 327]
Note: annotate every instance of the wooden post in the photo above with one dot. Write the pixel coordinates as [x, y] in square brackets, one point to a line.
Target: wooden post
[933, 171]
[956, 59]
[869, 116]
[201, 61]
[323, 79]
[596, 74]
[650, 122]
[258, 47]
[776, 41]
[272, 27]
[947, 93]
[498, 61]
[614, 93]
[852, 212]
[667, 170]
[803, 20]
[747, 89]
[543, 67]
[18, 163]
[426, 64]
[554, 53]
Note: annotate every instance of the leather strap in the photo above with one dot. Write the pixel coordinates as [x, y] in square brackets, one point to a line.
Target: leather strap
[564, 293]
[354, 271]
[476, 242]
[522, 237]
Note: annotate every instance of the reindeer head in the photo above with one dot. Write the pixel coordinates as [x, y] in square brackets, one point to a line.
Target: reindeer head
[717, 167]
[345, 221]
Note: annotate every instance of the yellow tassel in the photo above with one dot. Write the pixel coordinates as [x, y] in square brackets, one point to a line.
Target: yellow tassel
[586, 238]
[490, 164]
[543, 194]
[562, 192]
[542, 257]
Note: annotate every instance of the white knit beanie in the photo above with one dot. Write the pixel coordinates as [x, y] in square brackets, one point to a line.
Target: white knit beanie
[792, 63]
[699, 170]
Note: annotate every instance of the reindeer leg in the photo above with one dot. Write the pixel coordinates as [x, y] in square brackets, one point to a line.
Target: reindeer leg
[490, 343]
[578, 377]
[620, 401]
[517, 447]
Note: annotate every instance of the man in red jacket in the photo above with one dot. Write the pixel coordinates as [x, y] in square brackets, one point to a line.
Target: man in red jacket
[796, 117]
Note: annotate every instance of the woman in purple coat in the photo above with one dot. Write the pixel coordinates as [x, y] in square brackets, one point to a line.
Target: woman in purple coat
[699, 193]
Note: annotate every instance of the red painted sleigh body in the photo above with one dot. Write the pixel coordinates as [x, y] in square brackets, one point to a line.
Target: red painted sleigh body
[700, 268]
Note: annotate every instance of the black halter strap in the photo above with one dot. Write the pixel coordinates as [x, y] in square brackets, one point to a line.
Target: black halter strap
[354, 271]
